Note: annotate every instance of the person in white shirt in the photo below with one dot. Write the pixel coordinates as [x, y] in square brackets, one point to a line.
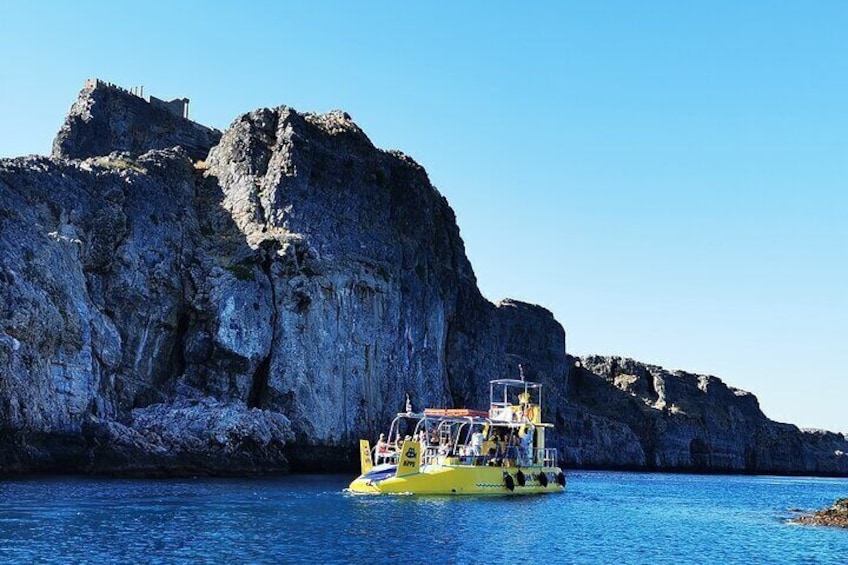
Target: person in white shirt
[382, 449]
[477, 443]
[527, 445]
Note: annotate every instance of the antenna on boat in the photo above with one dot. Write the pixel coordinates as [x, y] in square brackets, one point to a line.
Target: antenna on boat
[408, 404]
[521, 371]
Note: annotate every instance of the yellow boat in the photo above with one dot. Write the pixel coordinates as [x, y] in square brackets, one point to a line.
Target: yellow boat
[461, 451]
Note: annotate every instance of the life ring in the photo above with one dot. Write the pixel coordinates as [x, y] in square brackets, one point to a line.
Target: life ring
[520, 478]
[543, 480]
[508, 482]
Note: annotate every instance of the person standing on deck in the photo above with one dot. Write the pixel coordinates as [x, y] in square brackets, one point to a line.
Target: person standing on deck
[527, 446]
[477, 443]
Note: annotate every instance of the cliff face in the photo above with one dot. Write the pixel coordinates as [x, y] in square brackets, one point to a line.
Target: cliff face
[682, 421]
[287, 294]
[96, 290]
[369, 293]
[267, 307]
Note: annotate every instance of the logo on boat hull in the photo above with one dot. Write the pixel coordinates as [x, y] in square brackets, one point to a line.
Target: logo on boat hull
[411, 460]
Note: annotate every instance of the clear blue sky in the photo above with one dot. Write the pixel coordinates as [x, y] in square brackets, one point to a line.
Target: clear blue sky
[669, 178]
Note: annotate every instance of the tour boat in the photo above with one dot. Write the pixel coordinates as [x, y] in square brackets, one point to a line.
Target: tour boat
[462, 451]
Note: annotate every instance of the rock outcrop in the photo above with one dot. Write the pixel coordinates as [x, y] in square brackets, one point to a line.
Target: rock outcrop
[835, 516]
[175, 300]
[370, 293]
[686, 422]
[106, 118]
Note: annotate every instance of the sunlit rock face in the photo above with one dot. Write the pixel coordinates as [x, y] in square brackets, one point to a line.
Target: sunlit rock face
[372, 295]
[297, 273]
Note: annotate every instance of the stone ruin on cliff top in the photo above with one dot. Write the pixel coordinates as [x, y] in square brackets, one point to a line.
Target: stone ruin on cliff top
[178, 106]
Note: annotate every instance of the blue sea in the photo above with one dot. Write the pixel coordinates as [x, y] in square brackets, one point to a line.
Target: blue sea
[603, 517]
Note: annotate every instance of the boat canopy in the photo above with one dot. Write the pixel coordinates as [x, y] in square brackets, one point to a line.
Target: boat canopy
[515, 400]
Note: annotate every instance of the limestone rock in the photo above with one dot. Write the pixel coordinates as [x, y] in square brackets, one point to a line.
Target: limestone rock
[265, 309]
[303, 273]
[836, 515]
[587, 440]
[694, 422]
[373, 297]
[191, 436]
[107, 118]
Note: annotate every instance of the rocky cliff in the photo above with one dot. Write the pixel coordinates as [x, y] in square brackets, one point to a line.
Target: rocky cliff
[633, 415]
[286, 293]
[106, 118]
[179, 301]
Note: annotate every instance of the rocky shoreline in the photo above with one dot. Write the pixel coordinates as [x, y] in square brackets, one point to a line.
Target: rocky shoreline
[175, 300]
[835, 516]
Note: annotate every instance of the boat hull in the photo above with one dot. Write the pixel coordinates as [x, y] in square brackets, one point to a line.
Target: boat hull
[461, 479]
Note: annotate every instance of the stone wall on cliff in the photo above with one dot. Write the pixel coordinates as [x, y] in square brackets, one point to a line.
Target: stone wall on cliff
[106, 118]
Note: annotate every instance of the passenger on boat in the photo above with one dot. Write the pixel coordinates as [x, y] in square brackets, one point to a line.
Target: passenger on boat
[477, 443]
[495, 454]
[382, 450]
[527, 446]
[499, 447]
[444, 448]
[512, 449]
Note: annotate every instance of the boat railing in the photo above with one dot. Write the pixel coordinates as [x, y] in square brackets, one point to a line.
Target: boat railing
[388, 456]
[515, 413]
[430, 455]
[548, 456]
[511, 457]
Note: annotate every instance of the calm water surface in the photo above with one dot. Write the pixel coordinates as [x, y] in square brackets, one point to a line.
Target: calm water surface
[602, 518]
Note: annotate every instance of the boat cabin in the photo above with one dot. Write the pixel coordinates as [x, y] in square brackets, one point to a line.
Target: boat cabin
[510, 434]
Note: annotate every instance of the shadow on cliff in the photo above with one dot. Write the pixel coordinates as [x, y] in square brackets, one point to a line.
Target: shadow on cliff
[685, 423]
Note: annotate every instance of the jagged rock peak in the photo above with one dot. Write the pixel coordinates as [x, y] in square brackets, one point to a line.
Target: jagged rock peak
[107, 118]
[335, 122]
